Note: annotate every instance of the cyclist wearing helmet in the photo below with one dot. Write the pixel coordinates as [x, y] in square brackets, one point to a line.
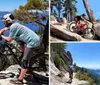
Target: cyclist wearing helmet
[83, 20]
[20, 33]
[81, 17]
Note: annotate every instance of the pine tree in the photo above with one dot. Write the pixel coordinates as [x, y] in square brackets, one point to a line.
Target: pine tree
[70, 9]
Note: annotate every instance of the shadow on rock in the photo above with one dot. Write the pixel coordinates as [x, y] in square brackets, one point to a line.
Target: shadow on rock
[36, 79]
[6, 75]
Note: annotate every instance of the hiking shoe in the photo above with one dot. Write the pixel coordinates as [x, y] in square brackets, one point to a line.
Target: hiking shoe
[69, 81]
[16, 81]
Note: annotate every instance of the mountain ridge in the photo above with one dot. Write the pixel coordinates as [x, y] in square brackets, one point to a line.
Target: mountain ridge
[4, 12]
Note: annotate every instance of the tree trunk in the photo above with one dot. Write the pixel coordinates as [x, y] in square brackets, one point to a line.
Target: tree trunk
[59, 14]
[68, 16]
[46, 37]
[71, 15]
[89, 11]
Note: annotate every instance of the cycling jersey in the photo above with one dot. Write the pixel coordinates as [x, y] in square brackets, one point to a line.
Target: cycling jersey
[22, 33]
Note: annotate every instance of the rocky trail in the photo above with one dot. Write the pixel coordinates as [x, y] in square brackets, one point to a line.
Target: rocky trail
[12, 72]
[63, 78]
[60, 32]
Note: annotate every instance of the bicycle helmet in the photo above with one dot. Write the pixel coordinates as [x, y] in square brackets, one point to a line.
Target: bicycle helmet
[83, 14]
[8, 17]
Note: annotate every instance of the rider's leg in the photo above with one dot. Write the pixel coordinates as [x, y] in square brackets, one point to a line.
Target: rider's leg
[25, 62]
[22, 73]
[79, 24]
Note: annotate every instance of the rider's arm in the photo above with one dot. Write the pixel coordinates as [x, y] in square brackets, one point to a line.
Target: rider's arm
[84, 19]
[3, 30]
[7, 38]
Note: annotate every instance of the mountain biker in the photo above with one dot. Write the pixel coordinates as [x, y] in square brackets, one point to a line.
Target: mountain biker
[29, 39]
[83, 20]
[82, 23]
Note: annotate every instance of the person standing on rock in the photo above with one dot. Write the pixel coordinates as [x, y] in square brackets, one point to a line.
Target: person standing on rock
[70, 69]
[71, 72]
[21, 33]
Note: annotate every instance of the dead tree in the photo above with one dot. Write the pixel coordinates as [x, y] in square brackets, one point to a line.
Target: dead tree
[89, 11]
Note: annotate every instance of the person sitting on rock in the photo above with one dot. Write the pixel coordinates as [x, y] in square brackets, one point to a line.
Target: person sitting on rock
[20, 33]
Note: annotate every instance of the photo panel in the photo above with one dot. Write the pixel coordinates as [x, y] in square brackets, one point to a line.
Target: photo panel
[75, 64]
[73, 20]
[24, 42]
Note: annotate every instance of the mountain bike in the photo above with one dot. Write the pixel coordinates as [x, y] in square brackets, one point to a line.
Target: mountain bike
[8, 50]
[82, 29]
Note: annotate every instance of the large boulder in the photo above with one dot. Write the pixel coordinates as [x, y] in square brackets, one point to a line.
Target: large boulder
[13, 68]
[53, 69]
[62, 33]
[12, 72]
[66, 57]
[97, 29]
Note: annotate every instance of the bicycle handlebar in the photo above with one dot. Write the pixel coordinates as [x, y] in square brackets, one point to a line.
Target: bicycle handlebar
[40, 23]
[0, 38]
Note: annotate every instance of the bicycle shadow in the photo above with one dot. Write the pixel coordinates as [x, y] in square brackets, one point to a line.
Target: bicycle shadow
[6, 75]
[30, 79]
[36, 79]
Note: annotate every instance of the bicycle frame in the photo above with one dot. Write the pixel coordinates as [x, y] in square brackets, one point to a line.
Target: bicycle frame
[79, 25]
[5, 44]
[10, 47]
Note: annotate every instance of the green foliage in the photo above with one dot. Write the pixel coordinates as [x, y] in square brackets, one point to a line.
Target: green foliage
[58, 46]
[83, 74]
[59, 62]
[68, 5]
[34, 4]
[25, 13]
[70, 8]
[58, 5]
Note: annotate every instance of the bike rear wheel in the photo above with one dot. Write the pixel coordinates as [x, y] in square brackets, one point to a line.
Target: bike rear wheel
[89, 33]
[38, 62]
[40, 78]
[72, 27]
[3, 61]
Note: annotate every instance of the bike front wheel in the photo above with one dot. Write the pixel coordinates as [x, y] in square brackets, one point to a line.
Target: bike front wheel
[72, 27]
[89, 33]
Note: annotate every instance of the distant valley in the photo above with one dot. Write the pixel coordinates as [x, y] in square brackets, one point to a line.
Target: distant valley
[3, 13]
[95, 72]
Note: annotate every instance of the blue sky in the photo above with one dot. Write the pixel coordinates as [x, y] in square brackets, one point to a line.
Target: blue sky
[10, 5]
[94, 5]
[85, 54]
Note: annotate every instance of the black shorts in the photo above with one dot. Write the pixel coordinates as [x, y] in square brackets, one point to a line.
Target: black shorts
[26, 60]
[28, 53]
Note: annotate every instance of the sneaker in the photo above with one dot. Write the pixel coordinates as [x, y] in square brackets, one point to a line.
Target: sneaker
[69, 81]
[16, 81]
